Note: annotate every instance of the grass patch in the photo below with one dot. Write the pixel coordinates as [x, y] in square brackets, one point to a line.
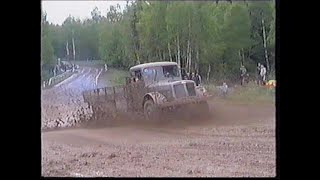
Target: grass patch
[45, 75]
[95, 63]
[118, 76]
[249, 94]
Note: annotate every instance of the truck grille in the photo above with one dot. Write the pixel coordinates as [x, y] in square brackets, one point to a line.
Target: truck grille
[191, 90]
[180, 91]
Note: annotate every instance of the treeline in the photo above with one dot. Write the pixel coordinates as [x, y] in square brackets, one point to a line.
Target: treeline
[212, 37]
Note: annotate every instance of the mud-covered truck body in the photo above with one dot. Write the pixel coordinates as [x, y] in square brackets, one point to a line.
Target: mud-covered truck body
[151, 89]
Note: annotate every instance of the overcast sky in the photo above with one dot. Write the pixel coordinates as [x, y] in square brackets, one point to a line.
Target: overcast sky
[58, 11]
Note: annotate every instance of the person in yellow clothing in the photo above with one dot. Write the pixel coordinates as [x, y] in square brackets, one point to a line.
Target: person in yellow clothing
[271, 84]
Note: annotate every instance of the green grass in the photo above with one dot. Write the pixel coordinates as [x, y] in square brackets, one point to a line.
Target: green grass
[249, 94]
[118, 76]
[45, 76]
[95, 63]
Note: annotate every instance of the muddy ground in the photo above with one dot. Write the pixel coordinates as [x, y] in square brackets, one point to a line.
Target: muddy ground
[238, 140]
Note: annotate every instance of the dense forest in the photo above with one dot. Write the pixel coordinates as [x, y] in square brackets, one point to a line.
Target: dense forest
[213, 37]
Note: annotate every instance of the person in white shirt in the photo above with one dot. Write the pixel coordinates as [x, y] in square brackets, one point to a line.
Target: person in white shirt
[263, 73]
[224, 89]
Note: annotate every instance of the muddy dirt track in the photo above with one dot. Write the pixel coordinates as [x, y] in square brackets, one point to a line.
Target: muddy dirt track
[239, 140]
[63, 104]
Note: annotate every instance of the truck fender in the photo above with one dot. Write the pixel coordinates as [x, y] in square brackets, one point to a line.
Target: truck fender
[157, 97]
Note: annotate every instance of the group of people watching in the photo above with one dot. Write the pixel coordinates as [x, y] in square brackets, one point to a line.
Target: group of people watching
[63, 67]
[261, 74]
[195, 76]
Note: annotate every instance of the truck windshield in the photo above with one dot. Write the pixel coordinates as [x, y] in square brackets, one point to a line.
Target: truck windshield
[157, 73]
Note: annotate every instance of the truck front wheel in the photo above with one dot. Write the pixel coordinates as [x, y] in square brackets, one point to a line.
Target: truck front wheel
[150, 110]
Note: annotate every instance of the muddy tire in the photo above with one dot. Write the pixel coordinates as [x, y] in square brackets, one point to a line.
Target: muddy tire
[150, 110]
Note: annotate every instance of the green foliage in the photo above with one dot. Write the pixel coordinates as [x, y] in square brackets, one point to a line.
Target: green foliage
[119, 77]
[47, 52]
[222, 35]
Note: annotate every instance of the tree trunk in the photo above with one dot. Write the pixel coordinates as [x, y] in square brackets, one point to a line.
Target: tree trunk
[73, 47]
[67, 49]
[265, 46]
[242, 56]
[170, 57]
[74, 50]
[208, 73]
[178, 46]
[197, 60]
[176, 52]
[176, 57]
[183, 58]
[137, 57]
[188, 60]
[169, 50]
[159, 55]
[189, 46]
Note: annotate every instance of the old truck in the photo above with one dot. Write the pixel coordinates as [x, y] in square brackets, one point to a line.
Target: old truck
[151, 89]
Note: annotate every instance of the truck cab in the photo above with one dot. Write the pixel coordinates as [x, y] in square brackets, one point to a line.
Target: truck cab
[160, 85]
